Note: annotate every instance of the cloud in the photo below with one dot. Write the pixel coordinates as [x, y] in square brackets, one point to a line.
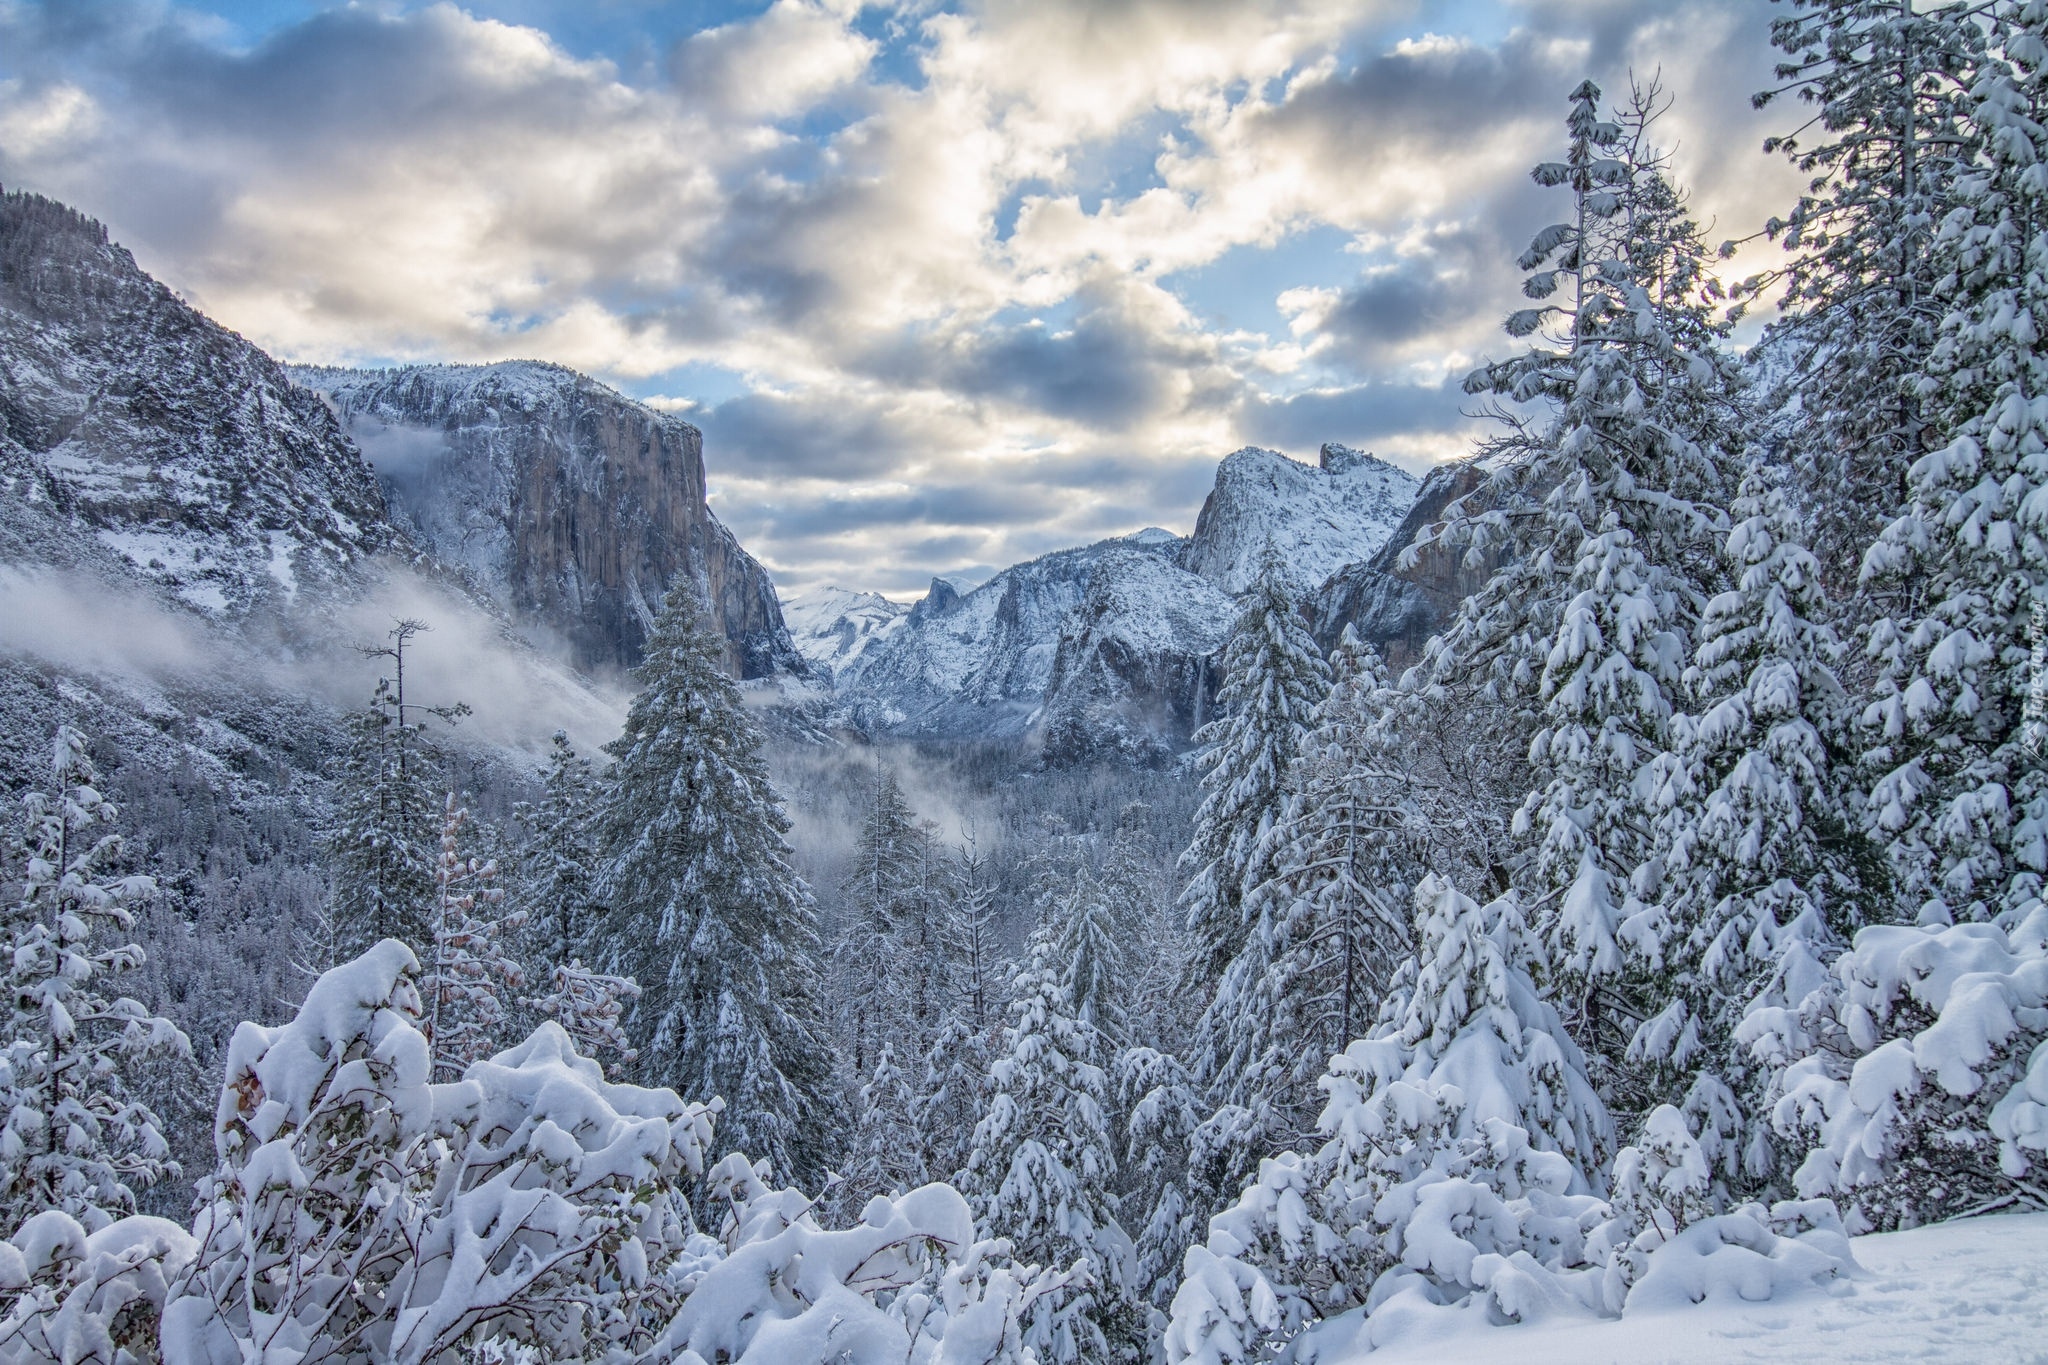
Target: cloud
[933, 244]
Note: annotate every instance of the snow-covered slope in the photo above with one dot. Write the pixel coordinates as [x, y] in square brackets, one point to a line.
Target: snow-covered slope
[1969, 1291]
[172, 441]
[990, 660]
[833, 627]
[571, 505]
[1315, 518]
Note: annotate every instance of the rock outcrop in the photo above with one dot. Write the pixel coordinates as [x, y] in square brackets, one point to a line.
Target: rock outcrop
[572, 505]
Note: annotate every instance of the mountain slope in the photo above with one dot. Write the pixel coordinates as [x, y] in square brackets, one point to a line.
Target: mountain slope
[127, 416]
[572, 505]
[833, 627]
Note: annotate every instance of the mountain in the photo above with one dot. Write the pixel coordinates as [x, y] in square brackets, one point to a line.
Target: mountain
[1109, 648]
[571, 505]
[1396, 607]
[131, 424]
[1315, 519]
[833, 627]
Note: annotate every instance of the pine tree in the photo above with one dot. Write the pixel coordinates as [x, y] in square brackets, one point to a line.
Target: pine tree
[72, 1135]
[885, 1152]
[1326, 938]
[1958, 715]
[382, 846]
[1884, 139]
[471, 976]
[703, 910]
[1591, 624]
[1273, 678]
[883, 951]
[556, 865]
[1760, 859]
[1044, 1158]
[1462, 1139]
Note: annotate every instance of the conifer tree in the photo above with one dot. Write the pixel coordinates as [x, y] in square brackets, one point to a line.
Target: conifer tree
[471, 976]
[1884, 139]
[1044, 1159]
[384, 846]
[883, 950]
[1614, 515]
[1959, 715]
[1273, 679]
[703, 910]
[1760, 858]
[72, 1135]
[1327, 936]
[556, 865]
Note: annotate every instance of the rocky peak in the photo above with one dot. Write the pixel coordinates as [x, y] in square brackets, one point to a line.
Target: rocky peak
[1315, 518]
[573, 505]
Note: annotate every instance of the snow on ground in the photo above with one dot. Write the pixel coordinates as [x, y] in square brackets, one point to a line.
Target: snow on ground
[1974, 1291]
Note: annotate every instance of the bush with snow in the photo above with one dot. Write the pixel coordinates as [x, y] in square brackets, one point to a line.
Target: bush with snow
[1921, 1079]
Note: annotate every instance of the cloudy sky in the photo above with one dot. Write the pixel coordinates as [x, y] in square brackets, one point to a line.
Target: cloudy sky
[945, 286]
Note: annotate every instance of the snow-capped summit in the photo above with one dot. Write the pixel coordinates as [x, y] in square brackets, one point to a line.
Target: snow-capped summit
[833, 627]
[1315, 518]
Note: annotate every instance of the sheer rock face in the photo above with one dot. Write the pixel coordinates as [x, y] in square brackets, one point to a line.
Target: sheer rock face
[1395, 608]
[177, 445]
[573, 506]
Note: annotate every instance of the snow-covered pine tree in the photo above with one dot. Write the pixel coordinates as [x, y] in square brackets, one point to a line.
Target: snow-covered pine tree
[889, 914]
[1162, 1113]
[1273, 679]
[1044, 1158]
[1613, 510]
[471, 978]
[1959, 717]
[72, 1136]
[1092, 955]
[1327, 935]
[1884, 139]
[557, 860]
[385, 840]
[1762, 862]
[885, 1150]
[1464, 1125]
[703, 910]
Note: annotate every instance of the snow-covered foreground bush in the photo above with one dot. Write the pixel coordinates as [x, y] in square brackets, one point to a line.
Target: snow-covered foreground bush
[1921, 1077]
[529, 1211]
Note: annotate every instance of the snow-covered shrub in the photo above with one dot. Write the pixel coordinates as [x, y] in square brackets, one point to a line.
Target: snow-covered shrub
[87, 1298]
[909, 1284]
[360, 1210]
[1922, 1085]
[1668, 1245]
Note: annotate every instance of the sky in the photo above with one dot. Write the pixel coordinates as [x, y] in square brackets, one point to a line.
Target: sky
[945, 286]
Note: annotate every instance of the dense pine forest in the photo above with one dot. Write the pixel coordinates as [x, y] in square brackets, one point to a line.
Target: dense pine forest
[1670, 920]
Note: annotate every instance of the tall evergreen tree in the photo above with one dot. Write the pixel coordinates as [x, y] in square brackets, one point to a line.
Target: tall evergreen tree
[1613, 505]
[471, 978]
[1044, 1159]
[885, 948]
[1958, 716]
[1273, 679]
[703, 910]
[557, 863]
[72, 1134]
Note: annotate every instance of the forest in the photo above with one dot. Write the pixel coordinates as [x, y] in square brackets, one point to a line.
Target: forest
[1673, 920]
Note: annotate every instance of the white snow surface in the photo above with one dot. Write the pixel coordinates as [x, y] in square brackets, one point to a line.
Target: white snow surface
[1974, 1290]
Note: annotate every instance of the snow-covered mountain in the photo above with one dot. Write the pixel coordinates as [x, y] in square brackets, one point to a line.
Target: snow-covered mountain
[571, 505]
[1314, 519]
[130, 420]
[833, 627]
[1107, 648]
